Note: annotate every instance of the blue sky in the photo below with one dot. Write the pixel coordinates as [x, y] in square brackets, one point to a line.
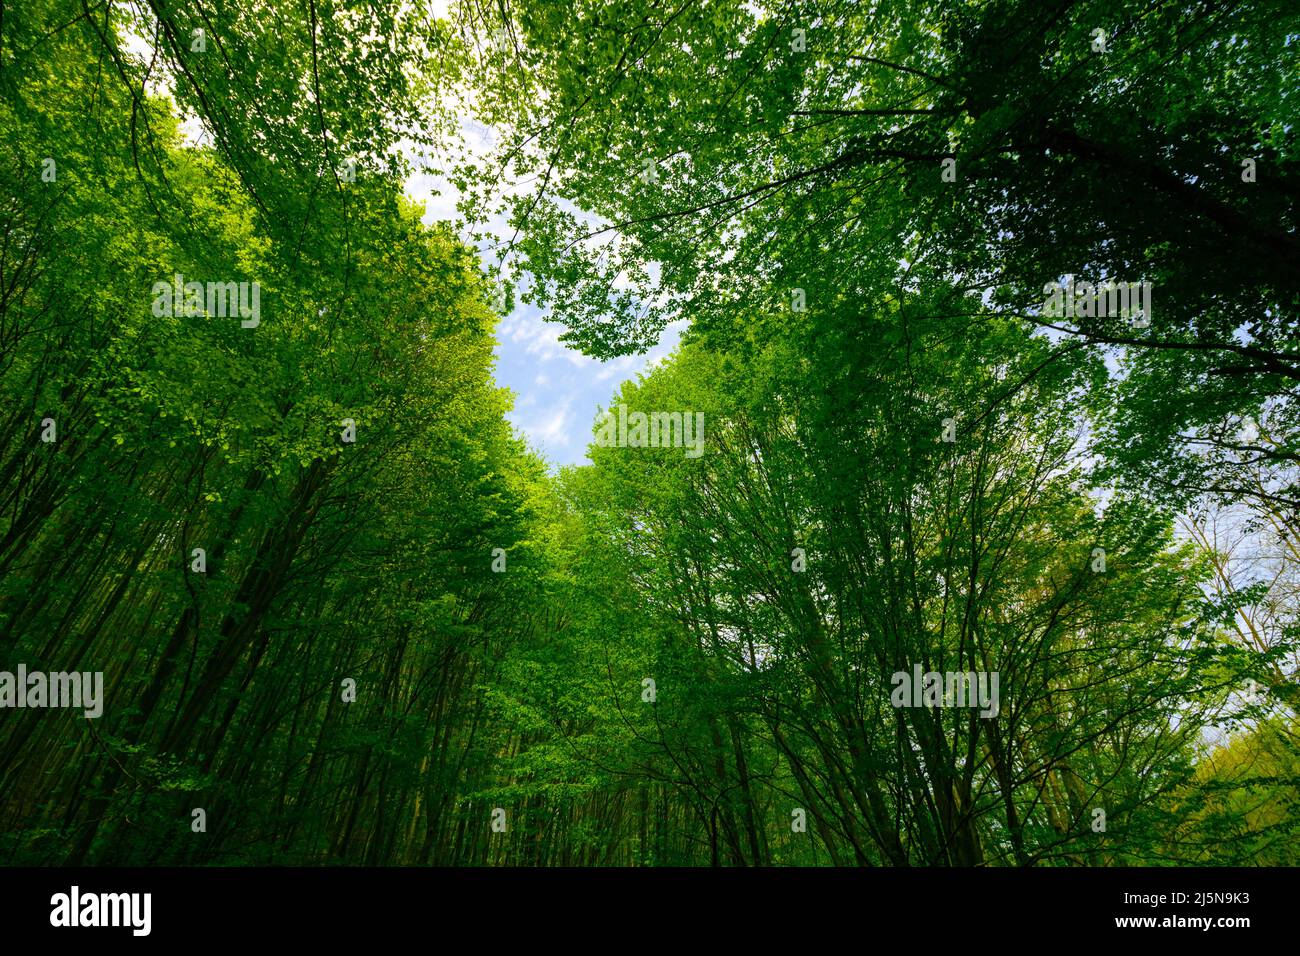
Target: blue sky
[558, 390]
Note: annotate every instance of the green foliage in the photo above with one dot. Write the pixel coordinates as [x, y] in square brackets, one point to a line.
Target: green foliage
[906, 464]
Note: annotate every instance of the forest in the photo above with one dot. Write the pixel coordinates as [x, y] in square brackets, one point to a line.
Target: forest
[960, 528]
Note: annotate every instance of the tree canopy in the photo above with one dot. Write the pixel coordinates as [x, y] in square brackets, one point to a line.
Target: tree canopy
[890, 563]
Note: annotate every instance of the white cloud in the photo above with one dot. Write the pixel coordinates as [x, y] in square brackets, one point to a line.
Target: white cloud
[540, 339]
[550, 430]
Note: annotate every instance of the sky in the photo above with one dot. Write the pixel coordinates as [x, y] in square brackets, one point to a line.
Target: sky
[558, 390]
